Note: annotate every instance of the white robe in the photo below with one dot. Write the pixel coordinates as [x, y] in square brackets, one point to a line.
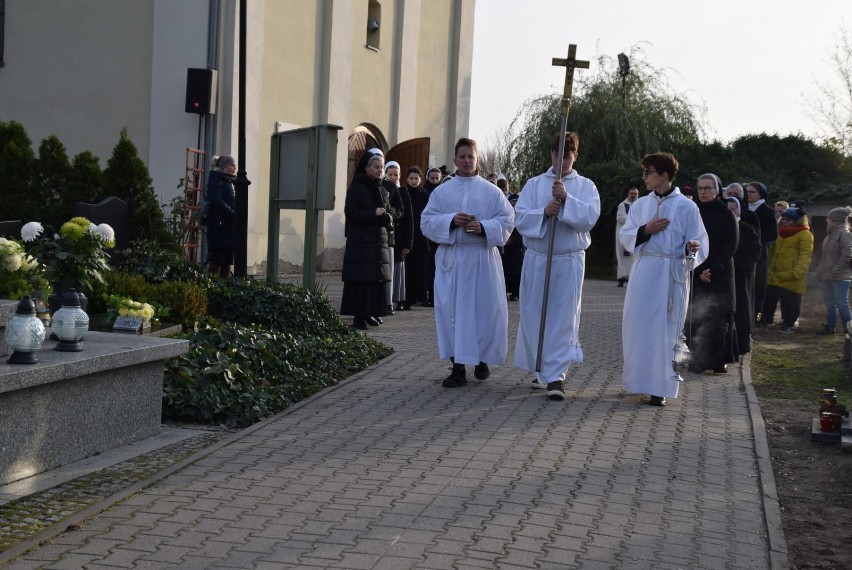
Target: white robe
[471, 313]
[658, 291]
[576, 218]
[624, 262]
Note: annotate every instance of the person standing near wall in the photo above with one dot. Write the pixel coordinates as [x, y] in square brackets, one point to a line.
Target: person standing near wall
[221, 215]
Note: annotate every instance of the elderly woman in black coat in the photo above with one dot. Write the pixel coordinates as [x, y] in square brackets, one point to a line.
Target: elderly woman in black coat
[366, 260]
[711, 333]
[220, 214]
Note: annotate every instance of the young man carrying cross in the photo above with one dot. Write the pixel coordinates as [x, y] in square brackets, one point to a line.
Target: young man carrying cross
[574, 201]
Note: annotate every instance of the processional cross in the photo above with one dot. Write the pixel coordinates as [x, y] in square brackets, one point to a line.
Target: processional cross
[570, 63]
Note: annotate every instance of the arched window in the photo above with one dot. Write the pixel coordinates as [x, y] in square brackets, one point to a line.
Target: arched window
[374, 25]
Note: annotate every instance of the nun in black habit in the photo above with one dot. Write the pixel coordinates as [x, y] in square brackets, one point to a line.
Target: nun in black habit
[366, 259]
[745, 260]
[711, 334]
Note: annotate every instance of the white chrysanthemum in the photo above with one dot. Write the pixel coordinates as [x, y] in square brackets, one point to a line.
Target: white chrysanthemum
[29, 263]
[106, 232]
[147, 311]
[12, 262]
[93, 229]
[31, 231]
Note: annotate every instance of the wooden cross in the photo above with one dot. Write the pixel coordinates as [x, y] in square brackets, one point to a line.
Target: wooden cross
[570, 63]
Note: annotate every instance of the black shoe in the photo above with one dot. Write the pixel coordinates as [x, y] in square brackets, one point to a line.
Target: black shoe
[360, 325]
[554, 391]
[390, 310]
[458, 377]
[481, 371]
[721, 369]
[621, 282]
[374, 321]
[657, 401]
[825, 330]
[537, 384]
[406, 307]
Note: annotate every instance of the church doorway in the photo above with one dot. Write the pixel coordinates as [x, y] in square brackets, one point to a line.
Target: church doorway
[407, 153]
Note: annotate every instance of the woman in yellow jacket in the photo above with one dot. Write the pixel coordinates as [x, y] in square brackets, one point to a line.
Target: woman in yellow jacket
[787, 277]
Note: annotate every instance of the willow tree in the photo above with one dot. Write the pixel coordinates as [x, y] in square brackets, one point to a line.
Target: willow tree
[619, 120]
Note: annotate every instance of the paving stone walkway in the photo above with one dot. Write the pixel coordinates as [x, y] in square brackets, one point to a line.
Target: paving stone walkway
[390, 470]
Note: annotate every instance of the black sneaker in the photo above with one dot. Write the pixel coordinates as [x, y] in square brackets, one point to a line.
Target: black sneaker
[481, 371]
[554, 391]
[458, 377]
[657, 401]
[537, 384]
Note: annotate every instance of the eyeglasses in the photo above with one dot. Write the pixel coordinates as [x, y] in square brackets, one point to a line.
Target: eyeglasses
[705, 188]
[648, 172]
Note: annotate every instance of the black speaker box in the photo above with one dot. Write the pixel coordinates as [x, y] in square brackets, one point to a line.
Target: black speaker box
[201, 87]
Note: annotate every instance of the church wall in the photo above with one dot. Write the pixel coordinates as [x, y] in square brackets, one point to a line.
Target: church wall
[371, 71]
[433, 86]
[79, 69]
[177, 46]
[290, 95]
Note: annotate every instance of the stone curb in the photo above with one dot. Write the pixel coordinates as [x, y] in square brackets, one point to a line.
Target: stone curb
[778, 559]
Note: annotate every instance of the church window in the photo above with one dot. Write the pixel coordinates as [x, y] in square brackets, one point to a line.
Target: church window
[374, 25]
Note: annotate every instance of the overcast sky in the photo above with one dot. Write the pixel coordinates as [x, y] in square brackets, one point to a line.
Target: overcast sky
[751, 62]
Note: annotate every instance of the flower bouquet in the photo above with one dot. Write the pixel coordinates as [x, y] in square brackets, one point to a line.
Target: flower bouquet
[19, 273]
[118, 306]
[74, 257]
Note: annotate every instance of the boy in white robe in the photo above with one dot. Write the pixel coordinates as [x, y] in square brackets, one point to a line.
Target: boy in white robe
[469, 218]
[661, 229]
[574, 201]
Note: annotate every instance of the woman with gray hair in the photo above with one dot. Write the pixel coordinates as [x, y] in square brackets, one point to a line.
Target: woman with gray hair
[220, 215]
[711, 334]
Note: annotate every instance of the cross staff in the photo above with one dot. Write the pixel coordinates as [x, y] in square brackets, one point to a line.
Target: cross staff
[570, 63]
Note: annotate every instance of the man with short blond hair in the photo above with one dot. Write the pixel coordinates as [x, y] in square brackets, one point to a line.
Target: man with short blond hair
[469, 218]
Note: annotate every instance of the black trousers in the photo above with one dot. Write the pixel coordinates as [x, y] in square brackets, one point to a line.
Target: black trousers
[791, 305]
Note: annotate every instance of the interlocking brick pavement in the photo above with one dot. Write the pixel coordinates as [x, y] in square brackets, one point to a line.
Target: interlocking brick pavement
[390, 470]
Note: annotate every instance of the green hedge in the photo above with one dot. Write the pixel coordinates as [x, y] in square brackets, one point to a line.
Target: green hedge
[235, 375]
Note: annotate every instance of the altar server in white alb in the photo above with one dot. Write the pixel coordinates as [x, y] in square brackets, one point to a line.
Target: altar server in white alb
[661, 229]
[573, 200]
[469, 218]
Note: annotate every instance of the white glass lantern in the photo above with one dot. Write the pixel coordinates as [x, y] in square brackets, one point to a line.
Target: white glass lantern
[70, 323]
[24, 333]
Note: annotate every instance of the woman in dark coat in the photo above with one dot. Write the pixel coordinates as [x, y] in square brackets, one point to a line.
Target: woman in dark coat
[745, 260]
[433, 179]
[366, 260]
[416, 260]
[513, 259]
[756, 196]
[220, 214]
[710, 330]
[400, 202]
